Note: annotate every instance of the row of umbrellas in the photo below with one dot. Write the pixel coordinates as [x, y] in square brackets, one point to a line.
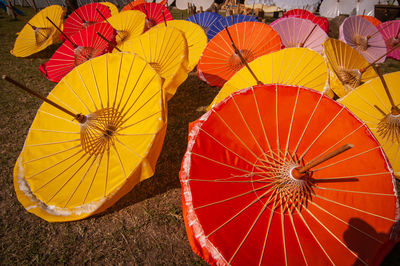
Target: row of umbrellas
[276, 172]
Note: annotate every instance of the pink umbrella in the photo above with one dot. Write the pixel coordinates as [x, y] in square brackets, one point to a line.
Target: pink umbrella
[363, 36]
[297, 32]
[390, 32]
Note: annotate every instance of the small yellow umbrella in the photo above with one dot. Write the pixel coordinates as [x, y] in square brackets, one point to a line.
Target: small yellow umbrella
[348, 68]
[166, 50]
[39, 32]
[377, 103]
[70, 168]
[128, 24]
[195, 37]
[113, 9]
[290, 66]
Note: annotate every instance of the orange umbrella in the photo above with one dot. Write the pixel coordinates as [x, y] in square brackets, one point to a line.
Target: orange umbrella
[258, 187]
[371, 19]
[132, 4]
[220, 60]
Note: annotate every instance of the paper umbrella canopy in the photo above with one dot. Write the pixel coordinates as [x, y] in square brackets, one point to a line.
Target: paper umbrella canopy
[70, 168]
[39, 32]
[254, 191]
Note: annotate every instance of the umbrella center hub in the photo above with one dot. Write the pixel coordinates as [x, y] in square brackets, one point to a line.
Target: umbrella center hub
[99, 131]
[122, 36]
[234, 61]
[351, 78]
[156, 66]
[392, 42]
[82, 54]
[42, 35]
[286, 182]
[389, 126]
[361, 42]
[87, 24]
[150, 23]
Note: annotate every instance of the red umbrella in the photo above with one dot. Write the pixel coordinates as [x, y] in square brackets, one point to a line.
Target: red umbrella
[83, 17]
[82, 46]
[257, 188]
[154, 13]
[305, 14]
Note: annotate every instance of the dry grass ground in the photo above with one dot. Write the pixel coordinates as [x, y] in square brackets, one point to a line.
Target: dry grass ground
[144, 227]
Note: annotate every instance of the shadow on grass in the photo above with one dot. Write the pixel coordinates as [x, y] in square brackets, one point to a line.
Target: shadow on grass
[191, 96]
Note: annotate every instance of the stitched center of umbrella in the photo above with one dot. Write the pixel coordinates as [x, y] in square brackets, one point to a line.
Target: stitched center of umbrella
[88, 23]
[98, 132]
[156, 66]
[283, 186]
[351, 78]
[389, 126]
[150, 23]
[235, 63]
[392, 42]
[82, 54]
[122, 35]
[361, 42]
[42, 35]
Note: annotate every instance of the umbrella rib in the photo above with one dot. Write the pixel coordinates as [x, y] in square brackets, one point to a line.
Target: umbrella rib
[283, 229]
[237, 137]
[62, 102]
[346, 223]
[94, 176]
[86, 88]
[80, 182]
[96, 85]
[139, 108]
[291, 122]
[250, 229]
[230, 198]
[277, 119]
[228, 149]
[247, 125]
[52, 143]
[137, 122]
[49, 155]
[334, 236]
[288, 66]
[63, 171]
[353, 191]
[356, 209]
[126, 82]
[269, 226]
[315, 238]
[58, 117]
[297, 237]
[79, 99]
[119, 159]
[118, 78]
[334, 145]
[227, 180]
[348, 158]
[321, 133]
[137, 154]
[107, 171]
[262, 125]
[239, 212]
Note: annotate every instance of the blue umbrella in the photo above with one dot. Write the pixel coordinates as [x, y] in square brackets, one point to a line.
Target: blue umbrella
[227, 21]
[4, 5]
[205, 19]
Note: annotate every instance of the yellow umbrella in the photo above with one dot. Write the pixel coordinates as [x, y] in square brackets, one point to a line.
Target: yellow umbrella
[39, 33]
[378, 107]
[348, 68]
[166, 50]
[195, 37]
[113, 9]
[290, 66]
[128, 24]
[73, 168]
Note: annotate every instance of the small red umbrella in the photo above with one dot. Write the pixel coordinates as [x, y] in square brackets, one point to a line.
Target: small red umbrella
[82, 46]
[155, 13]
[254, 192]
[305, 14]
[83, 17]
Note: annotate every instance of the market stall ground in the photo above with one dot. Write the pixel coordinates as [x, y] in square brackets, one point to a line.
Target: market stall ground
[144, 227]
